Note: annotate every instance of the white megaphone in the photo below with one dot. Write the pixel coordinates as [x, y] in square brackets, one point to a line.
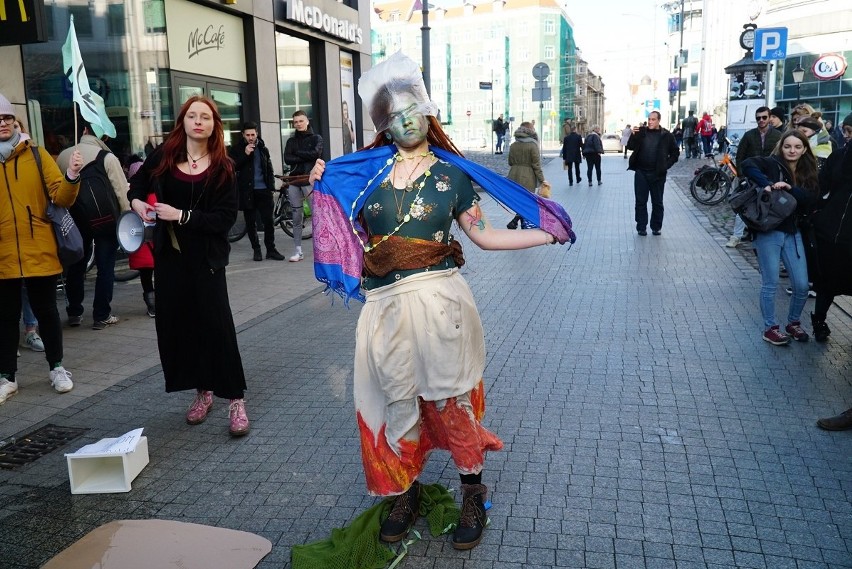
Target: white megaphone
[132, 232]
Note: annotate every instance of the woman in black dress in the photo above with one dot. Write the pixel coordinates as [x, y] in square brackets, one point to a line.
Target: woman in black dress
[196, 204]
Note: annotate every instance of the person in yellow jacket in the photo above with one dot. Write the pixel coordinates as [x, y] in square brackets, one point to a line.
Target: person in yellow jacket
[28, 248]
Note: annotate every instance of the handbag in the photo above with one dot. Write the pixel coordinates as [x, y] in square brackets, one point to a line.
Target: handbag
[544, 190]
[761, 210]
[69, 242]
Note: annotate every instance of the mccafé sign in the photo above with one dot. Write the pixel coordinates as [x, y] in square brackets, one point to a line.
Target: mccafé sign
[314, 17]
[829, 66]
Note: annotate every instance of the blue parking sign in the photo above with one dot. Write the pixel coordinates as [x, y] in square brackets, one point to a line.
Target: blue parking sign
[770, 43]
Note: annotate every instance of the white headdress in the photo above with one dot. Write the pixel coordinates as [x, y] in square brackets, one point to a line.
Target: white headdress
[380, 86]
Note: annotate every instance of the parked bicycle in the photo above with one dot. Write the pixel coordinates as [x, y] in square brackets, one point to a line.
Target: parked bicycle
[282, 212]
[712, 184]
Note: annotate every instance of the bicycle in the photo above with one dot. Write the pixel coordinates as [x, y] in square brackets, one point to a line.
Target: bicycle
[712, 184]
[282, 212]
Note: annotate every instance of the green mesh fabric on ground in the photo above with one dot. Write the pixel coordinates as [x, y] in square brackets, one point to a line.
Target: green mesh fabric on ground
[357, 546]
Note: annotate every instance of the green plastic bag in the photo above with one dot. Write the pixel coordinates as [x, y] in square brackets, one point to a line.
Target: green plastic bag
[306, 207]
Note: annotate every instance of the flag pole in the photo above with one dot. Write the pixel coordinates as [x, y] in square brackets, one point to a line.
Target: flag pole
[76, 130]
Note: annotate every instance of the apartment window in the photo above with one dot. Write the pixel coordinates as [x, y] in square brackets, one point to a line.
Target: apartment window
[549, 27]
[693, 80]
[468, 59]
[549, 52]
[82, 20]
[115, 20]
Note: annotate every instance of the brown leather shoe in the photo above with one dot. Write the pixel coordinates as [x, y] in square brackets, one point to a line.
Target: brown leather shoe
[838, 423]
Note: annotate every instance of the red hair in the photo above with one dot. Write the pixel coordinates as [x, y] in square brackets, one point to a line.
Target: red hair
[173, 151]
[435, 136]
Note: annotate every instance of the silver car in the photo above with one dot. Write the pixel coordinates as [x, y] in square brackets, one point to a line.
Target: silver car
[611, 142]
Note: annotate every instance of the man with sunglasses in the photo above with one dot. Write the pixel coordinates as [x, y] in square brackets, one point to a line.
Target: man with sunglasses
[756, 142]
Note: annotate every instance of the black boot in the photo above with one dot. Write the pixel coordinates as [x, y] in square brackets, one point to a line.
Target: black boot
[258, 256]
[402, 516]
[149, 303]
[274, 254]
[821, 329]
[472, 522]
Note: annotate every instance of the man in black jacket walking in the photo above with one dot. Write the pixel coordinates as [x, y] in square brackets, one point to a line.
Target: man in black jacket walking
[255, 182]
[301, 153]
[654, 152]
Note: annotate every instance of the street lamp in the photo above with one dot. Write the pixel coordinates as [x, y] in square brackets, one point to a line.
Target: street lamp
[798, 77]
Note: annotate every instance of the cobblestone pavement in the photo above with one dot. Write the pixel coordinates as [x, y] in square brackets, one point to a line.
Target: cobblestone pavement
[645, 422]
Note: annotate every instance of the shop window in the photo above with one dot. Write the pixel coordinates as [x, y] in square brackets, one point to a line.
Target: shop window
[139, 119]
[295, 89]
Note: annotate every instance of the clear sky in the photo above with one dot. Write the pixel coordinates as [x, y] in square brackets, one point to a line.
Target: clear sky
[618, 38]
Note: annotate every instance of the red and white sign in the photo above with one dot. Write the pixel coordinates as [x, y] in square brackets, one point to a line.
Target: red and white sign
[829, 66]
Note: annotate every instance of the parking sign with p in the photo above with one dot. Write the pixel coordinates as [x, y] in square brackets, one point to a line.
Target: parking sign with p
[770, 43]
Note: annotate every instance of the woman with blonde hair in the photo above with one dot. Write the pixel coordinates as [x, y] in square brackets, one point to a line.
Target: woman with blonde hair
[196, 204]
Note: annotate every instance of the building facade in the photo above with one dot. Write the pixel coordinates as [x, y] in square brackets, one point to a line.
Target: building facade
[481, 62]
[260, 60]
[820, 41]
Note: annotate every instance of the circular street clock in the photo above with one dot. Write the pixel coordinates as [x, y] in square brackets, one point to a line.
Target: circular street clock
[747, 39]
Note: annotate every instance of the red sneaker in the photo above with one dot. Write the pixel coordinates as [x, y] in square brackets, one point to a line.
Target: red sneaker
[797, 332]
[775, 336]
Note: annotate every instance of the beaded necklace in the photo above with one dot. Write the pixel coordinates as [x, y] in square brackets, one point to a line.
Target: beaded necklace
[400, 222]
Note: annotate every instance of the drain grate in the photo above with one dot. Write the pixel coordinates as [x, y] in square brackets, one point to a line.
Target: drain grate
[30, 447]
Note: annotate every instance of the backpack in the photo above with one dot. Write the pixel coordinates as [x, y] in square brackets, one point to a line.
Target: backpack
[96, 209]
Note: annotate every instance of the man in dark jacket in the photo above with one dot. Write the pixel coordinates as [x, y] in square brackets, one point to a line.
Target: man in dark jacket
[755, 142]
[690, 126]
[301, 153]
[572, 147]
[255, 182]
[654, 152]
[499, 127]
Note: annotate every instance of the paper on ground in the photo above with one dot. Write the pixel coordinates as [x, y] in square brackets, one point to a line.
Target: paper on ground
[124, 444]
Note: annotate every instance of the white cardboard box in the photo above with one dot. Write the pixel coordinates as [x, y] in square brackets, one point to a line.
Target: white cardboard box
[105, 473]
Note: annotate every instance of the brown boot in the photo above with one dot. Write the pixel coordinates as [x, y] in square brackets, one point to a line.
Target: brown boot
[472, 522]
[402, 516]
[838, 423]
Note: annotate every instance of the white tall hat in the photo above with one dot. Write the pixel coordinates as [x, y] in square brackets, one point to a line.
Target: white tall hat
[381, 85]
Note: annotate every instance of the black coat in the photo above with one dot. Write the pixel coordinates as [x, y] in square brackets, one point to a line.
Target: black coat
[832, 220]
[302, 151]
[667, 151]
[214, 215]
[572, 147]
[244, 167]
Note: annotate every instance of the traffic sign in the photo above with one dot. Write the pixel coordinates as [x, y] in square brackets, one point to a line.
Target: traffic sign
[540, 71]
[485, 85]
[770, 43]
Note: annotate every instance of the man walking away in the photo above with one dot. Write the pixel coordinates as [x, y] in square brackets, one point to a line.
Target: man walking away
[690, 126]
[755, 142]
[300, 153]
[592, 151]
[654, 152]
[572, 146]
[255, 182]
[102, 199]
[499, 128]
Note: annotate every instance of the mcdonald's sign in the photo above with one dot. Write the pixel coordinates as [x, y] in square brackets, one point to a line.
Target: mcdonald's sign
[22, 21]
